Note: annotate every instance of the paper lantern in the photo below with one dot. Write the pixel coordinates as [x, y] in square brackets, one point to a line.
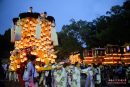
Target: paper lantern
[22, 60]
[42, 60]
[12, 68]
[25, 59]
[31, 22]
[24, 54]
[11, 58]
[38, 59]
[45, 55]
[18, 66]
[54, 56]
[16, 61]
[52, 60]
[37, 67]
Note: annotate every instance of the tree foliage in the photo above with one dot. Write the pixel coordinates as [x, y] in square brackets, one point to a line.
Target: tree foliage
[112, 28]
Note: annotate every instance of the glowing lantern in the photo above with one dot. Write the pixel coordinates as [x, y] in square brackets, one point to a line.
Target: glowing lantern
[25, 59]
[42, 60]
[38, 59]
[37, 67]
[22, 60]
[18, 66]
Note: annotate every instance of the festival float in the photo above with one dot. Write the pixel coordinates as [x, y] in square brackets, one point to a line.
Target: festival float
[96, 55]
[73, 58]
[111, 54]
[33, 34]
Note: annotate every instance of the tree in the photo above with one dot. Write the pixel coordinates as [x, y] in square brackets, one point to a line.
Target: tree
[5, 45]
[68, 43]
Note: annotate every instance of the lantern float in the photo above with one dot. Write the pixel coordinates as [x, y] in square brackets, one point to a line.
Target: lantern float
[31, 35]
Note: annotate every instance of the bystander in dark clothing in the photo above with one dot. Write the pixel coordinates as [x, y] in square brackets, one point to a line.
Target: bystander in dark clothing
[48, 78]
[1, 75]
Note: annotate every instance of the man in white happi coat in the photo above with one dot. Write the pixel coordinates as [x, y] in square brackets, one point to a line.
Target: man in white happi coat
[90, 74]
[61, 77]
[76, 76]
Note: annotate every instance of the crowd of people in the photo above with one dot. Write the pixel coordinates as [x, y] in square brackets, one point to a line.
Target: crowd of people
[64, 74]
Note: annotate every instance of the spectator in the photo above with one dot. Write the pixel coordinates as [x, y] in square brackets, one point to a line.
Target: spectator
[30, 74]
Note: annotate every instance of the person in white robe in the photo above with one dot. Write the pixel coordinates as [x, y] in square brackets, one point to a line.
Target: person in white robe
[61, 77]
[90, 73]
[76, 76]
[53, 75]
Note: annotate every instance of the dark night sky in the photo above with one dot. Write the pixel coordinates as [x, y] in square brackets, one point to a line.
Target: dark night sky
[62, 10]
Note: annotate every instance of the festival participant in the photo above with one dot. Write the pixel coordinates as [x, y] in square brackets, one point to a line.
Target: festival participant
[30, 73]
[53, 75]
[42, 75]
[76, 76]
[90, 74]
[1, 74]
[98, 76]
[5, 68]
[20, 74]
[61, 77]
[48, 78]
[69, 70]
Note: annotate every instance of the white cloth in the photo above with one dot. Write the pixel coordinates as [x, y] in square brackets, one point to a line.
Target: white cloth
[12, 35]
[76, 77]
[17, 33]
[54, 37]
[38, 31]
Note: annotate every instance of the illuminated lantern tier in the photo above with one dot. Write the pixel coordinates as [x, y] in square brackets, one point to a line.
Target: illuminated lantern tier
[31, 36]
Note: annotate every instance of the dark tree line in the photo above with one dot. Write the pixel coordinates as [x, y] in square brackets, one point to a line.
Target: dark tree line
[5, 45]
